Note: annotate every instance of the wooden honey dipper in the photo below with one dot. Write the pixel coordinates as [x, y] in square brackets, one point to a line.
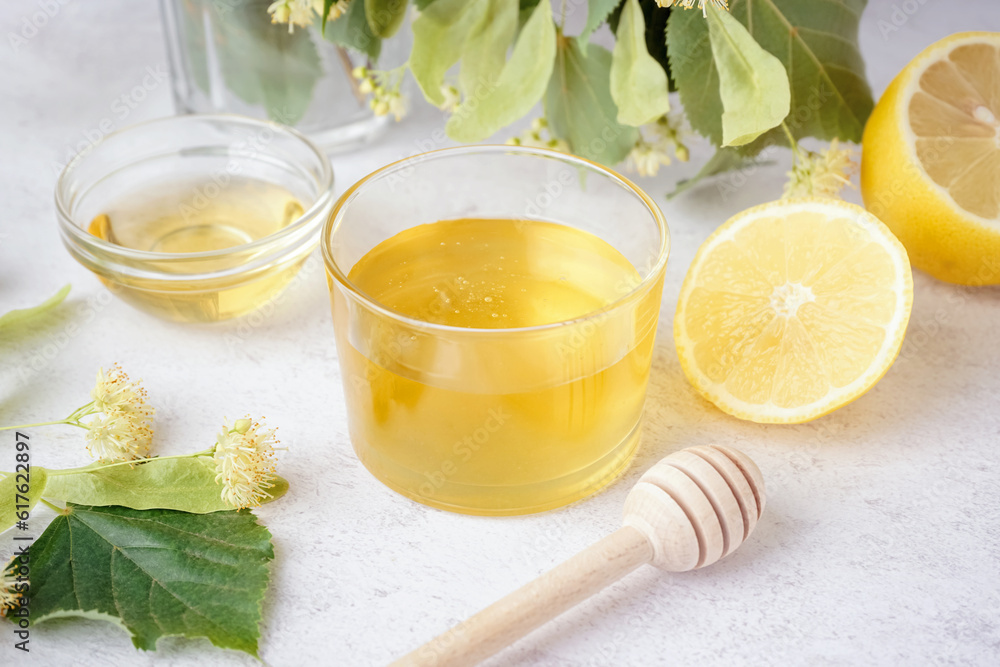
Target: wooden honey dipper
[688, 511]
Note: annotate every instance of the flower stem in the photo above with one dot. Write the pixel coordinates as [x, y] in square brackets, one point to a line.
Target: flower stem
[60, 421]
[792, 143]
[348, 67]
[82, 411]
[133, 462]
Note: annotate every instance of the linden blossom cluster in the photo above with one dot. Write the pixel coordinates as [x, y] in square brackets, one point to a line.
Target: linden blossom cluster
[121, 432]
[11, 591]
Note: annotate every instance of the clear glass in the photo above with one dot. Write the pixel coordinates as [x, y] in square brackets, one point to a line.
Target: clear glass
[496, 421]
[227, 56]
[198, 158]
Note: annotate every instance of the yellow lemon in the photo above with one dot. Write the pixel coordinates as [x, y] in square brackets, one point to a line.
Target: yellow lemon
[793, 309]
[930, 165]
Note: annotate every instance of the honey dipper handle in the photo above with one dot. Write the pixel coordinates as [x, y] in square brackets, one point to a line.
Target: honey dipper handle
[535, 603]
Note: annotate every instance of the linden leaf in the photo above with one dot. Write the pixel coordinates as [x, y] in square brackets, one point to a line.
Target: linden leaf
[639, 85]
[486, 53]
[327, 4]
[15, 317]
[351, 30]
[524, 10]
[579, 107]
[440, 33]
[156, 572]
[815, 41]
[186, 484]
[18, 495]
[753, 84]
[385, 16]
[597, 13]
[656, 32]
[262, 63]
[519, 87]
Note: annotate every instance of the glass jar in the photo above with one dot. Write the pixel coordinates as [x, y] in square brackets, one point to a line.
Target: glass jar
[227, 56]
[128, 206]
[495, 418]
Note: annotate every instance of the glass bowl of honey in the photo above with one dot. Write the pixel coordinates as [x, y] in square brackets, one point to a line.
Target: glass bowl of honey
[195, 218]
[495, 309]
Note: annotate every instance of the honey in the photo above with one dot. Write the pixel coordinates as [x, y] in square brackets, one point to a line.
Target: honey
[196, 217]
[509, 374]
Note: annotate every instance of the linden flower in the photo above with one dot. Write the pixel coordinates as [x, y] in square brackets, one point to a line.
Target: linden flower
[337, 9]
[387, 102]
[451, 97]
[647, 158]
[298, 12]
[535, 137]
[114, 392]
[656, 140]
[383, 86]
[822, 174]
[124, 430]
[119, 436]
[8, 596]
[244, 461]
[279, 11]
[689, 4]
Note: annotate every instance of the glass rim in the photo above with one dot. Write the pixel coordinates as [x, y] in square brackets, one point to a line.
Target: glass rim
[84, 239]
[335, 218]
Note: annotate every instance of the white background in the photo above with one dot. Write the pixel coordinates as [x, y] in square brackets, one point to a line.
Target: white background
[881, 539]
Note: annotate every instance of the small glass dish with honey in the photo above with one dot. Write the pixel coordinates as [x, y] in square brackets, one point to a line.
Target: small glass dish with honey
[195, 218]
[495, 309]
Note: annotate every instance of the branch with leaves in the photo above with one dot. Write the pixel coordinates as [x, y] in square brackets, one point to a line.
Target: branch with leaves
[172, 533]
[728, 61]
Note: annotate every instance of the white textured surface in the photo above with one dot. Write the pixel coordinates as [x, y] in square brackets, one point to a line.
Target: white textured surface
[881, 540]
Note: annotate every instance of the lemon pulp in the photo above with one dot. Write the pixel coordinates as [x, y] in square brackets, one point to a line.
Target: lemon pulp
[793, 309]
[930, 166]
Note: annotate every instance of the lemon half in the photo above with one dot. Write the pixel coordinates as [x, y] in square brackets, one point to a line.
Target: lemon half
[930, 164]
[793, 309]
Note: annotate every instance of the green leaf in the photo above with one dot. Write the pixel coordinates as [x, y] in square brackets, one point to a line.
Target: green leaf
[385, 16]
[20, 315]
[351, 30]
[519, 87]
[638, 84]
[11, 503]
[186, 484]
[327, 4]
[524, 10]
[488, 42]
[579, 107]
[439, 37]
[753, 84]
[817, 42]
[656, 32]
[597, 13]
[262, 63]
[422, 4]
[157, 573]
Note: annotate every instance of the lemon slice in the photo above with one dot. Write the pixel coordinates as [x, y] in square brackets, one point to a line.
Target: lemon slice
[930, 166]
[793, 309]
